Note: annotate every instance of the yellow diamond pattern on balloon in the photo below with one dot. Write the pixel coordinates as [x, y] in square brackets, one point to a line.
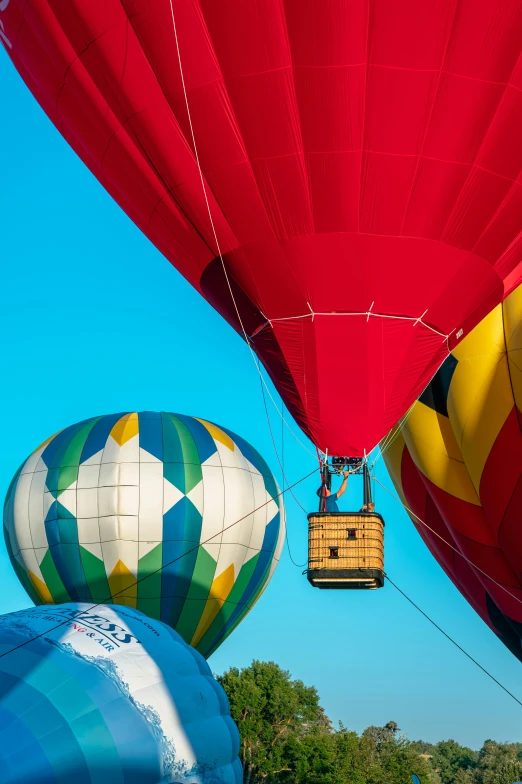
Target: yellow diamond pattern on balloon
[219, 590]
[122, 584]
[217, 434]
[41, 588]
[125, 428]
[44, 443]
[435, 452]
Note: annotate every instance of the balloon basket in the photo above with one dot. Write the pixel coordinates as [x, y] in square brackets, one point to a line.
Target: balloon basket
[346, 550]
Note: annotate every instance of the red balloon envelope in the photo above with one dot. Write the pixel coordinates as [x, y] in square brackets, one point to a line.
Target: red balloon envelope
[361, 162]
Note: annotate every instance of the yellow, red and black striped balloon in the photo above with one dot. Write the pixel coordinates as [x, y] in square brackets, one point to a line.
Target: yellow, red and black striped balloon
[457, 465]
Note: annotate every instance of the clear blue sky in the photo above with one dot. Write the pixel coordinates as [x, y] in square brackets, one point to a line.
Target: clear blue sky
[94, 320]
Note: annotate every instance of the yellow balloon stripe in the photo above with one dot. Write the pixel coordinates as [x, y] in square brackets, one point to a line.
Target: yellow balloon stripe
[393, 459]
[217, 434]
[486, 384]
[44, 443]
[513, 319]
[41, 588]
[480, 396]
[513, 333]
[219, 590]
[125, 428]
[434, 450]
[122, 584]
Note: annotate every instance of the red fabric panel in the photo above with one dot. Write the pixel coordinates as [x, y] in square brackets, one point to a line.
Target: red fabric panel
[464, 520]
[352, 153]
[497, 608]
[501, 473]
[471, 532]
[509, 533]
[457, 569]
[314, 352]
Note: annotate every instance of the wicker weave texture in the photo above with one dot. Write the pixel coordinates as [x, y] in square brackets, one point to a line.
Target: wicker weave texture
[327, 532]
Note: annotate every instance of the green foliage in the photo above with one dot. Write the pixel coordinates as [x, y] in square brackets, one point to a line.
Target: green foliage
[273, 713]
[499, 763]
[421, 747]
[286, 738]
[448, 757]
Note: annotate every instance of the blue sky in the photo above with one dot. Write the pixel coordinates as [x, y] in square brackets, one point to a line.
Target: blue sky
[94, 320]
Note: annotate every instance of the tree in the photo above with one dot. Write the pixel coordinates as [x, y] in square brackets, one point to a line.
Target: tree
[286, 738]
[382, 735]
[311, 758]
[349, 756]
[499, 763]
[269, 707]
[448, 757]
[422, 747]
[394, 758]
[464, 776]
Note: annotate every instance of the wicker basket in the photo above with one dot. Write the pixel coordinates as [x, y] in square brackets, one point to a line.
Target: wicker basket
[346, 550]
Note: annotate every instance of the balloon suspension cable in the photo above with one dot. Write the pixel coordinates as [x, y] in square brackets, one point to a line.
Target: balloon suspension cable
[392, 436]
[282, 467]
[455, 643]
[213, 227]
[445, 541]
[110, 599]
[338, 465]
[325, 481]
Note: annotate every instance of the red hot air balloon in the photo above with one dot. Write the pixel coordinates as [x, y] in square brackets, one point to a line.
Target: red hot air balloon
[354, 167]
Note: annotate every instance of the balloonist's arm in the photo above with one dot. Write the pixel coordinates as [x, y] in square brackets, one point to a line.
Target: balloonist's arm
[344, 484]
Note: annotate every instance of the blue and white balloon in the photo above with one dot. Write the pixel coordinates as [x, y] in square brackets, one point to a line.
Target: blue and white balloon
[105, 695]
